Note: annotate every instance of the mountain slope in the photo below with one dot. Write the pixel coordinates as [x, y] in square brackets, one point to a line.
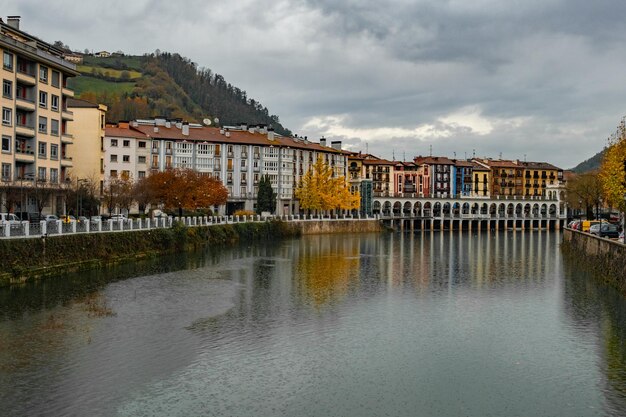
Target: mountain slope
[169, 85]
[590, 164]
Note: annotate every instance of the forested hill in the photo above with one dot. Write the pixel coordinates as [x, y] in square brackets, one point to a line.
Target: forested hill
[590, 164]
[166, 84]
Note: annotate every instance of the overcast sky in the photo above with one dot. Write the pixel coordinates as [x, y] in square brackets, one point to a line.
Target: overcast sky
[541, 79]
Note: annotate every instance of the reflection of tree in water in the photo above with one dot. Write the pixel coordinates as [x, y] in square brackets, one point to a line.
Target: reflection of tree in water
[324, 270]
[600, 310]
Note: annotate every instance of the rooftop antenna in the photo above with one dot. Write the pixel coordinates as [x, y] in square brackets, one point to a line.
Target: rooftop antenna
[473, 153]
[500, 155]
[454, 153]
[393, 154]
[524, 157]
[404, 156]
[431, 150]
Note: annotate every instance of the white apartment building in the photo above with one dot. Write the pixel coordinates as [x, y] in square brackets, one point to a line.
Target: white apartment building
[238, 155]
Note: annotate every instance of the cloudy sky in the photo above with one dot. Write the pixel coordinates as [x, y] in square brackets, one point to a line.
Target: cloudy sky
[541, 79]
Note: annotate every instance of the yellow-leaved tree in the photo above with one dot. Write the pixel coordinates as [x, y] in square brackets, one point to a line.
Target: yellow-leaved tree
[613, 169]
[320, 191]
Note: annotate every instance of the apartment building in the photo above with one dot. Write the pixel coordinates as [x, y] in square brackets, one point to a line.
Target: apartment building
[35, 117]
[539, 177]
[506, 176]
[441, 175]
[238, 155]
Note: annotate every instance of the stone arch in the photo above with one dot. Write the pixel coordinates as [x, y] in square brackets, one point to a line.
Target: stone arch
[446, 209]
[428, 209]
[552, 210]
[387, 208]
[535, 210]
[456, 209]
[376, 207]
[527, 210]
[417, 209]
[493, 209]
[484, 209]
[501, 209]
[406, 209]
[437, 209]
[397, 209]
[544, 210]
[465, 209]
[519, 209]
[475, 208]
[510, 210]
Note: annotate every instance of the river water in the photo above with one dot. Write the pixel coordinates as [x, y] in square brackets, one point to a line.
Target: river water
[442, 324]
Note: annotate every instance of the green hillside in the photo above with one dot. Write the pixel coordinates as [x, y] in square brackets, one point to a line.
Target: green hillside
[167, 85]
[590, 164]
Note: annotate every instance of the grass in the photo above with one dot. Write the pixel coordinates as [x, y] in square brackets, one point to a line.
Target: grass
[87, 69]
[86, 83]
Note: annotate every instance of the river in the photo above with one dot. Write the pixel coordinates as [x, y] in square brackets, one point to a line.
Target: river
[443, 324]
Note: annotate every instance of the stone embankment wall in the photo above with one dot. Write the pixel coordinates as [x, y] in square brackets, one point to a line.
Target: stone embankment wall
[24, 260]
[604, 257]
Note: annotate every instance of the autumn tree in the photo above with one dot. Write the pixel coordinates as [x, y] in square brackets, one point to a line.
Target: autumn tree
[585, 191]
[613, 169]
[320, 190]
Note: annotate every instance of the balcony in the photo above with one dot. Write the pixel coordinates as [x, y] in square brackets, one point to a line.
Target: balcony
[67, 161]
[25, 130]
[24, 104]
[25, 156]
[67, 138]
[67, 92]
[67, 114]
[25, 78]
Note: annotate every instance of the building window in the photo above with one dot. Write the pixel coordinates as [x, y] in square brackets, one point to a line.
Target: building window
[113, 173]
[6, 143]
[41, 174]
[54, 127]
[6, 116]
[7, 61]
[142, 144]
[54, 102]
[43, 124]
[126, 158]
[43, 99]
[56, 77]
[54, 175]
[6, 172]
[113, 158]
[126, 143]
[7, 89]
[141, 159]
[43, 74]
[54, 152]
[42, 149]
[113, 142]
[141, 174]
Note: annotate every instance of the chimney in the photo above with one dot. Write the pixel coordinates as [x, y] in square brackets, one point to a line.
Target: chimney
[252, 129]
[263, 129]
[168, 124]
[336, 144]
[134, 123]
[156, 129]
[159, 121]
[270, 134]
[185, 128]
[243, 126]
[14, 22]
[221, 131]
[179, 125]
[122, 124]
[227, 134]
[323, 141]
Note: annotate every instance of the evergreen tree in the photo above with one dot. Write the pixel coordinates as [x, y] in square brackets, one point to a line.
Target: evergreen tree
[266, 200]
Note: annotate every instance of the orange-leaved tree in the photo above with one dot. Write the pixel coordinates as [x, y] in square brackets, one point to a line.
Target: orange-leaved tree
[613, 169]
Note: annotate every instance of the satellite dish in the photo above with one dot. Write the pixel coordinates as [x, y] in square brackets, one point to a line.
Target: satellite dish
[207, 122]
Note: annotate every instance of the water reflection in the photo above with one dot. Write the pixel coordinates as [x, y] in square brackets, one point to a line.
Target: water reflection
[431, 324]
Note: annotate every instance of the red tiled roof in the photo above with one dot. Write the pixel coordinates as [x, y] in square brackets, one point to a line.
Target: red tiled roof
[119, 132]
[433, 160]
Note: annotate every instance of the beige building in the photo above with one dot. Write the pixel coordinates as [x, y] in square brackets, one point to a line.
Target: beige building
[35, 119]
[87, 137]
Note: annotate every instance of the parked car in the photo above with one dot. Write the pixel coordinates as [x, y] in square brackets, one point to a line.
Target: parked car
[50, 218]
[605, 230]
[118, 217]
[82, 219]
[68, 219]
[96, 218]
[9, 218]
[574, 224]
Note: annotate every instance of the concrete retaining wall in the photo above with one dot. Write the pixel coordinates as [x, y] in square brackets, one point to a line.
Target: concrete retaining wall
[604, 257]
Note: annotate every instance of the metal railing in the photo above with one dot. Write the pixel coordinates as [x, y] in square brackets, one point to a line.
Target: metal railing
[58, 227]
